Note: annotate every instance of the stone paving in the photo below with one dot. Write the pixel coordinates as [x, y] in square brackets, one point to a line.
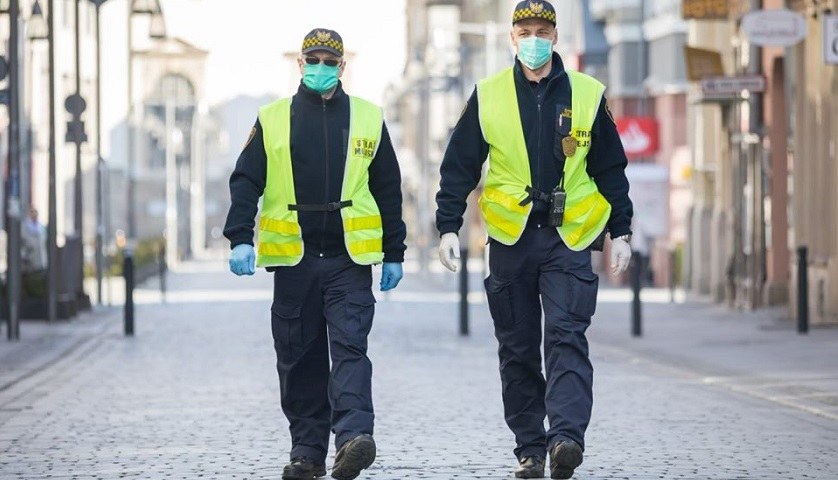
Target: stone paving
[195, 395]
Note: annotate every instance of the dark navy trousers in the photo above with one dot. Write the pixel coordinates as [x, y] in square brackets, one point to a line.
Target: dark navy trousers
[323, 307]
[539, 271]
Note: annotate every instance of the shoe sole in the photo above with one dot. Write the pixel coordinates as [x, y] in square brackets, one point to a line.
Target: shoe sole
[308, 476]
[529, 475]
[563, 462]
[358, 455]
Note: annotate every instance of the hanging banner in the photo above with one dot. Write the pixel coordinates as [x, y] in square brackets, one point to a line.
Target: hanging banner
[830, 39]
[639, 136]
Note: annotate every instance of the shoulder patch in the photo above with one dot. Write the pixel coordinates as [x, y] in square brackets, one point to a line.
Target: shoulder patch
[250, 137]
[610, 115]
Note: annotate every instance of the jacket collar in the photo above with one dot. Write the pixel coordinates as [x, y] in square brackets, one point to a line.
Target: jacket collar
[557, 70]
[310, 96]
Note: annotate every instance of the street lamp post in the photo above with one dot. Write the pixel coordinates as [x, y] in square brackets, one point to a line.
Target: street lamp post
[77, 187]
[13, 275]
[100, 162]
[137, 7]
[39, 32]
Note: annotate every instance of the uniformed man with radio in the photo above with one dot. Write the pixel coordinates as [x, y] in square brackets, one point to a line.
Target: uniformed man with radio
[323, 163]
[555, 184]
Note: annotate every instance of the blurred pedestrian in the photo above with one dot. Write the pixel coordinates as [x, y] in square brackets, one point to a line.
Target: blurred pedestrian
[556, 182]
[34, 247]
[332, 207]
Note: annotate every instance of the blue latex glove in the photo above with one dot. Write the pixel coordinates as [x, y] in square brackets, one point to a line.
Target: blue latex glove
[243, 260]
[391, 275]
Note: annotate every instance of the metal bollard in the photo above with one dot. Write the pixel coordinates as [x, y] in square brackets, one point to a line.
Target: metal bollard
[464, 330]
[672, 279]
[802, 291]
[636, 274]
[128, 273]
[162, 269]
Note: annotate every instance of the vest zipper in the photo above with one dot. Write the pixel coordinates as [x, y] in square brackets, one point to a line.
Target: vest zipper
[328, 181]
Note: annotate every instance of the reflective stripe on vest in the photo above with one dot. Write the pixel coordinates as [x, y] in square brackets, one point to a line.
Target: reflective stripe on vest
[280, 241]
[362, 225]
[586, 210]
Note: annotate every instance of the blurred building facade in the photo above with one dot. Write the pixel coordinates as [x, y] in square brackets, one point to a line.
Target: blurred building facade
[764, 168]
[647, 94]
[736, 186]
[165, 71]
[35, 113]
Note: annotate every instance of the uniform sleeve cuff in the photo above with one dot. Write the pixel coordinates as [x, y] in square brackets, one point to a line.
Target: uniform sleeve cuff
[394, 257]
[244, 239]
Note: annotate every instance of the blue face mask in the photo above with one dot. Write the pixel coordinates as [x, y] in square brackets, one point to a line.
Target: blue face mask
[535, 52]
[321, 78]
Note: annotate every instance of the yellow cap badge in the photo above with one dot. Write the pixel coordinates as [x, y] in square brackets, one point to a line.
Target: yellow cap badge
[324, 36]
[536, 7]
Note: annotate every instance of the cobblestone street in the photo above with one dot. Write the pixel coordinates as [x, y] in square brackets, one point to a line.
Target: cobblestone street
[195, 395]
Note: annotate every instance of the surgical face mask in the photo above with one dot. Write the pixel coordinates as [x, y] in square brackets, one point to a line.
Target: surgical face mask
[320, 77]
[535, 52]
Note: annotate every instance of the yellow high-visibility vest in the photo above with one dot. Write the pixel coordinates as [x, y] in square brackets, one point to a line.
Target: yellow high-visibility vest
[280, 241]
[586, 210]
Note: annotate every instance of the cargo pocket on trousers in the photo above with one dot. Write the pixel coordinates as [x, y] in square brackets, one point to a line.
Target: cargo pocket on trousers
[583, 293]
[499, 296]
[360, 309]
[287, 326]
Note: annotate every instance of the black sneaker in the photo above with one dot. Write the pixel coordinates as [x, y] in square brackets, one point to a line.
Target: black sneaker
[301, 468]
[564, 458]
[530, 467]
[354, 456]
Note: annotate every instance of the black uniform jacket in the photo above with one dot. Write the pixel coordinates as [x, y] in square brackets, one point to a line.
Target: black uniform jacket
[319, 136]
[540, 106]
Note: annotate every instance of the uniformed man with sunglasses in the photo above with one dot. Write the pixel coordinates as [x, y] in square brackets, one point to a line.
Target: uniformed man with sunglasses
[323, 163]
[556, 182]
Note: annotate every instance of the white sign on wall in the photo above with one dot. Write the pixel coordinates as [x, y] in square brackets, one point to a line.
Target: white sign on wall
[830, 39]
[777, 28]
[649, 192]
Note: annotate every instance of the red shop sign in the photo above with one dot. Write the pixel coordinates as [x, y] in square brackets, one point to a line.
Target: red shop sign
[639, 136]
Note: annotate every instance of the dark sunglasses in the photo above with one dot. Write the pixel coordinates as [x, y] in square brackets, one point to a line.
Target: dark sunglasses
[330, 62]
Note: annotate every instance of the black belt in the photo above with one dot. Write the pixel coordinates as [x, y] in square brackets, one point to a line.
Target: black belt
[535, 195]
[325, 207]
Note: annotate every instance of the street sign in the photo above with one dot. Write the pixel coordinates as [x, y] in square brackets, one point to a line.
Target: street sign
[830, 39]
[75, 132]
[731, 87]
[774, 28]
[702, 63]
[75, 104]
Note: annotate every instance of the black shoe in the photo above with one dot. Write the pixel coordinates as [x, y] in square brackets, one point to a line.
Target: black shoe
[301, 468]
[530, 467]
[354, 456]
[564, 458]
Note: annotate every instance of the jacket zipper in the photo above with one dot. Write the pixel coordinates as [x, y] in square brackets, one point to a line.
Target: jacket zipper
[328, 181]
[539, 102]
[538, 163]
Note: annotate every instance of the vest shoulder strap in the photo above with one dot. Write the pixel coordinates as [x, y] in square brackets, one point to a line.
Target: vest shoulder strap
[273, 107]
[588, 82]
